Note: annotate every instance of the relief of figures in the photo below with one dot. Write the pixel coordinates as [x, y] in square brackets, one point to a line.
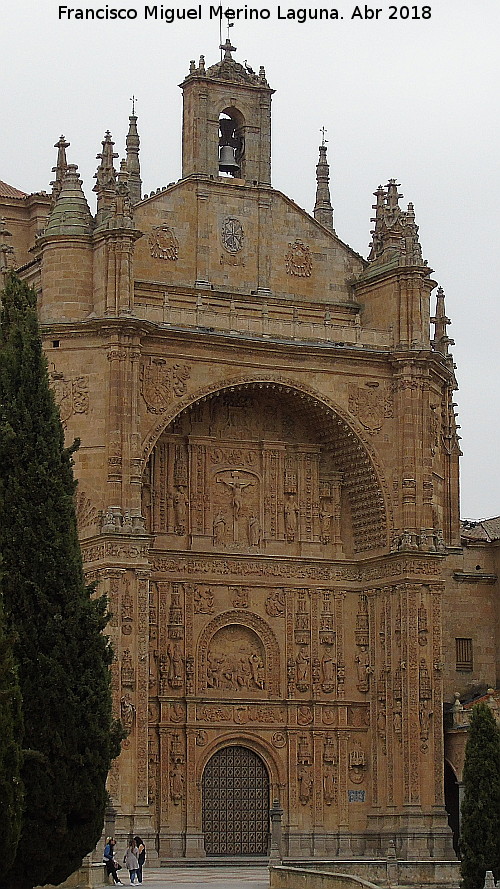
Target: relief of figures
[203, 600]
[275, 603]
[235, 660]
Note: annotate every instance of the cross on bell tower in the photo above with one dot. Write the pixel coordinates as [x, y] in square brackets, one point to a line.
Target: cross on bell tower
[227, 120]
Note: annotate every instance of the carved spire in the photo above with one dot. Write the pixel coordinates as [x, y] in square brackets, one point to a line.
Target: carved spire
[70, 214]
[105, 186]
[122, 208]
[395, 236]
[441, 341]
[323, 210]
[133, 165]
[60, 168]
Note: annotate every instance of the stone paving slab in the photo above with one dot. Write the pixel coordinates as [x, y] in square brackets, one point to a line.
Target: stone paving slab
[198, 877]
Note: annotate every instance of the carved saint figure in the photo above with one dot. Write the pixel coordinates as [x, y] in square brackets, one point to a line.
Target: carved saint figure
[257, 668]
[302, 664]
[328, 667]
[291, 518]
[175, 666]
[363, 668]
[329, 787]
[253, 531]
[424, 715]
[306, 782]
[176, 785]
[219, 530]
[127, 712]
[325, 521]
[180, 509]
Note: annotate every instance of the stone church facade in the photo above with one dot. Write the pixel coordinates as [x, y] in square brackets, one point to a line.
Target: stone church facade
[268, 490]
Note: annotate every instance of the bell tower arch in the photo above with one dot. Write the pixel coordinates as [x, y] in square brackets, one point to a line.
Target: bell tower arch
[227, 121]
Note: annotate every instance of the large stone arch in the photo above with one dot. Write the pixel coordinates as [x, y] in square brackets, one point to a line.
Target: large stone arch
[254, 741]
[365, 484]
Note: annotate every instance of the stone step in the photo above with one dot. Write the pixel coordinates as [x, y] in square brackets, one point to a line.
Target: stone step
[222, 861]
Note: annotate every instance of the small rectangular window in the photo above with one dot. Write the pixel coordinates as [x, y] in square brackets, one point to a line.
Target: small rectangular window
[464, 654]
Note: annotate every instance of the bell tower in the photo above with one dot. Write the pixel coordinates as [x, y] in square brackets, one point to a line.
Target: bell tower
[227, 121]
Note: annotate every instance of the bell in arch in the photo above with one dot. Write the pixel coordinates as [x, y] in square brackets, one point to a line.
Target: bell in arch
[228, 145]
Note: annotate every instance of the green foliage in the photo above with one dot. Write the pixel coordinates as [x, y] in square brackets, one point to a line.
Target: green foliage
[62, 655]
[11, 730]
[480, 827]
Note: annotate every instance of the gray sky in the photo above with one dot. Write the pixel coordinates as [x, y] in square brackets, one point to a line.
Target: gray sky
[414, 99]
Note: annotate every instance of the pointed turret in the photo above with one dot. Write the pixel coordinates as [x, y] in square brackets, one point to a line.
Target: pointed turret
[323, 210]
[133, 164]
[395, 236]
[70, 214]
[441, 341]
[60, 168]
[105, 186]
[122, 216]
[64, 250]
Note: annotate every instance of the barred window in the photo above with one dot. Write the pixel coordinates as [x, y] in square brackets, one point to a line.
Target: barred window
[464, 654]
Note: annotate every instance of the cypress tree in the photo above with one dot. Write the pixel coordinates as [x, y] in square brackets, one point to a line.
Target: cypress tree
[480, 827]
[11, 788]
[55, 620]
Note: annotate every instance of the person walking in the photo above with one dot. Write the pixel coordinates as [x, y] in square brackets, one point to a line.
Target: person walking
[109, 860]
[141, 858]
[130, 860]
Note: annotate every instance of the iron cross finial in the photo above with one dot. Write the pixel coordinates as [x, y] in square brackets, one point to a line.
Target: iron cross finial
[323, 131]
[133, 99]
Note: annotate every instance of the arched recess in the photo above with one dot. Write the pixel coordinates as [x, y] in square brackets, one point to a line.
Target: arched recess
[262, 677]
[337, 433]
[232, 142]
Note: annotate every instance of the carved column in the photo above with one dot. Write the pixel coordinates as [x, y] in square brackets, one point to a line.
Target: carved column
[116, 358]
[203, 241]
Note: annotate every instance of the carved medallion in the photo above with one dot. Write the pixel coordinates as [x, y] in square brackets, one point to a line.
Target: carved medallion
[163, 243]
[298, 260]
[232, 234]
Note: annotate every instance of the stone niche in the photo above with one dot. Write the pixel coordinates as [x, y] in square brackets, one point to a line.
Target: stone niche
[236, 662]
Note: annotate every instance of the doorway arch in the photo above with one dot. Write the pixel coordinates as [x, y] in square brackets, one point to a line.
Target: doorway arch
[235, 803]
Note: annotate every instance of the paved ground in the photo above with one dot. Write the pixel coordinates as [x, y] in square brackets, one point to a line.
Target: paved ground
[198, 877]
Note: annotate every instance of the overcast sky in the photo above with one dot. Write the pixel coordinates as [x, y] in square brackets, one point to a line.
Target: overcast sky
[416, 99]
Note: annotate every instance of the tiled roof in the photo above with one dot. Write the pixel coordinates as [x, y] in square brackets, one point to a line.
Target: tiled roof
[8, 191]
[486, 529]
